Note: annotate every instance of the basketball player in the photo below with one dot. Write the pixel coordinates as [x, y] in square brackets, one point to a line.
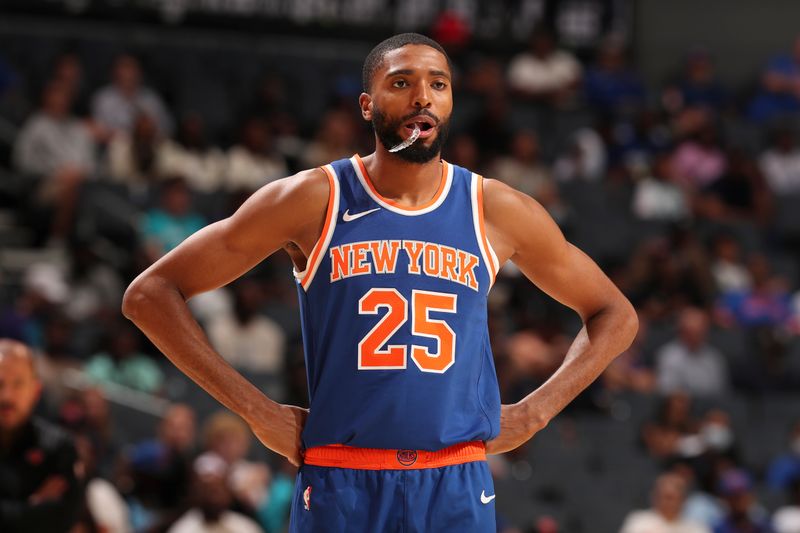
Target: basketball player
[394, 255]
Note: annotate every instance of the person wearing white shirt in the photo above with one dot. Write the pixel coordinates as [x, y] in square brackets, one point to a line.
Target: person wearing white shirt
[544, 72]
[664, 516]
[213, 498]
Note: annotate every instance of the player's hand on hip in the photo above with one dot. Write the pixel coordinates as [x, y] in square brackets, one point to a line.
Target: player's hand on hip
[281, 433]
[516, 428]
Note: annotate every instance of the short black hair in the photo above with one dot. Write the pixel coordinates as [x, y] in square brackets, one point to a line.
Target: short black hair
[374, 59]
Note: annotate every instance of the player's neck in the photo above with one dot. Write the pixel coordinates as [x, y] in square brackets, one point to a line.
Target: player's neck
[409, 184]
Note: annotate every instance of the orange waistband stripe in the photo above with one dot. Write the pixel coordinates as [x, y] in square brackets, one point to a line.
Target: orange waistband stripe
[341, 456]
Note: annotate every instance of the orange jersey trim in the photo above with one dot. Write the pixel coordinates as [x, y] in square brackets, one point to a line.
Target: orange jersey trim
[439, 191]
[329, 217]
[482, 226]
[341, 456]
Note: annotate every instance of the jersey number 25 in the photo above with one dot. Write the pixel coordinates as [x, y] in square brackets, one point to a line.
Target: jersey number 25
[373, 355]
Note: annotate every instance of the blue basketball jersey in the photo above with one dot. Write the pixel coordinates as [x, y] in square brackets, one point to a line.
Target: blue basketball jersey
[394, 318]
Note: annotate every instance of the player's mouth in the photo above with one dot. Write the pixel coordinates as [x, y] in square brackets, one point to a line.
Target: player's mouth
[427, 125]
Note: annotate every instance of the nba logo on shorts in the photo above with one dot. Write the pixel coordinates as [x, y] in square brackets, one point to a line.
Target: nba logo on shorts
[406, 457]
[307, 498]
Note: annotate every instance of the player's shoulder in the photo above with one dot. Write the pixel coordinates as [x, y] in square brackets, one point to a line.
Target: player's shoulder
[307, 188]
[310, 182]
[515, 218]
[500, 198]
[288, 202]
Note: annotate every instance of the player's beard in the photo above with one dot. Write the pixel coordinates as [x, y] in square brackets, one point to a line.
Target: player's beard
[387, 132]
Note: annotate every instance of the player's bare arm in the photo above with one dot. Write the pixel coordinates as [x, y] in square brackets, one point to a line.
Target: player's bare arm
[522, 231]
[287, 213]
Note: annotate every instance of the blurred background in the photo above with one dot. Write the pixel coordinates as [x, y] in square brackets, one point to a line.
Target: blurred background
[661, 136]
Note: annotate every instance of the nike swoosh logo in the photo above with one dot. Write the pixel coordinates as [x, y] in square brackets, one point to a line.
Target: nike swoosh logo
[347, 217]
[486, 499]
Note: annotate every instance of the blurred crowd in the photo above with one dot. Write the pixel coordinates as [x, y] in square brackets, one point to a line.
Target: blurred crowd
[686, 194]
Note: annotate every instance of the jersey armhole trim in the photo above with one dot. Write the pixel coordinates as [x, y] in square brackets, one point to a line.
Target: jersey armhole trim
[489, 256]
[307, 276]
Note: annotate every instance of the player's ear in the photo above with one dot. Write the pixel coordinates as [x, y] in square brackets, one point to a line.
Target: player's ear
[365, 103]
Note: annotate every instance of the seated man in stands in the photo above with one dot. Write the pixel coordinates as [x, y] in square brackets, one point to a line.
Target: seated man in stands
[39, 490]
[57, 149]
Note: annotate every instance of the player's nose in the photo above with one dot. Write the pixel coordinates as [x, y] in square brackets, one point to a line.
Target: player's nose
[422, 96]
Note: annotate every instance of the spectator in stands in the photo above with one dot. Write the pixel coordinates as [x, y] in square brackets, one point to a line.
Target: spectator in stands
[697, 85]
[669, 273]
[730, 273]
[253, 162]
[672, 434]
[739, 195]
[700, 161]
[657, 197]
[212, 499]
[544, 73]
[700, 505]
[336, 137]
[247, 339]
[523, 168]
[273, 513]
[68, 71]
[453, 31]
[117, 105]
[766, 304]
[719, 439]
[43, 293]
[787, 518]
[532, 358]
[39, 485]
[190, 155]
[133, 155]
[668, 497]
[491, 128]
[227, 437]
[688, 363]
[87, 413]
[485, 77]
[780, 163]
[156, 473]
[610, 85]
[164, 227]
[633, 141]
[56, 149]
[744, 514]
[780, 87]
[123, 363]
[95, 287]
[107, 511]
[785, 469]
[584, 159]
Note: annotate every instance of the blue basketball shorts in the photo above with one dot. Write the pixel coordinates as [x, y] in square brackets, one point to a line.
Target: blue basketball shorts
[394, 499]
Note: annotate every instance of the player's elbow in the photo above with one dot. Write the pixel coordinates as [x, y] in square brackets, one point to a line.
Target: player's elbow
[133, 300]
[629, 323]
[139, 298]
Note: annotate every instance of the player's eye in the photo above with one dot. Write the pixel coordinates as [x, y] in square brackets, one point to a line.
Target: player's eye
[439, 85]
[400, 84]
